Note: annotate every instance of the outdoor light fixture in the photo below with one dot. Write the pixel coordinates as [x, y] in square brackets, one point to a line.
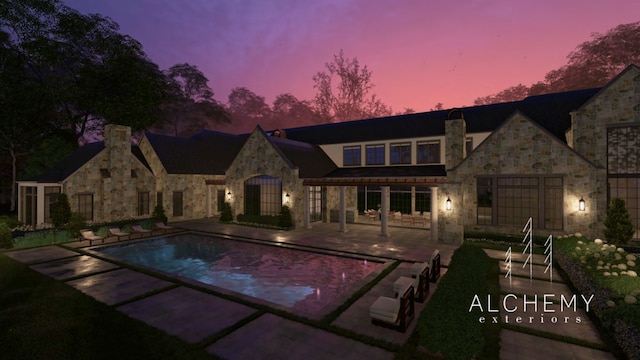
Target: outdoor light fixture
[286, 198]
[448, 203]
[229, 196]
[581, 204]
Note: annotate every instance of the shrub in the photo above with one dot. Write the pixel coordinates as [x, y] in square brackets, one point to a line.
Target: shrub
[159, 214]
[76, 223]
[61, 211]
[271, 220]
[284, 220]
[6, 238]
[226, 215]
[619, 228]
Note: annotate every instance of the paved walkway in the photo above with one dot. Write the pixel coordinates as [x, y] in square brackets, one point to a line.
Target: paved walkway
[196, 313]
[553, 317]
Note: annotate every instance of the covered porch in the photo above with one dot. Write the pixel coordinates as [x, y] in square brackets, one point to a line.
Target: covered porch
[382, 215]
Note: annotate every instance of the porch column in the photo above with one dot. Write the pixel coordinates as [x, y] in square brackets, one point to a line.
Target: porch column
[434, 214]
[384, 211]
[343, 210]
[306, 221]
[40, 204]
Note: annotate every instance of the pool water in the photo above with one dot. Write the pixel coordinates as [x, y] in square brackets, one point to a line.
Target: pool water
[297, 279]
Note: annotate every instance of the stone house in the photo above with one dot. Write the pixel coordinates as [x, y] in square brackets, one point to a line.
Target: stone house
[557, 159]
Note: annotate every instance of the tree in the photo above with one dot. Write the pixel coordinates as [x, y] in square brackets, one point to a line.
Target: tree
[61, 211]
[513, 93]
[288, 111]
[92, 74]
[245, 107]
[190, 106]
[26, 109]
[592, 64]
[46, 154]
[348, 98]
[618, 226]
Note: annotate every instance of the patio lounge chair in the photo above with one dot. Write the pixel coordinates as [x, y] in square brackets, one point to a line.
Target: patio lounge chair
[419, 280]
[138, 229]
[115, 231]
[87, 234]
[161, 226]
[434, 270]
[395, 313]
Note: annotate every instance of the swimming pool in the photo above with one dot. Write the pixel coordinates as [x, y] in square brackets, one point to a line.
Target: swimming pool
[296, 279]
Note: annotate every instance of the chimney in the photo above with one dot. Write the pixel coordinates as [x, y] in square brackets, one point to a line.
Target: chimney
[455, 138]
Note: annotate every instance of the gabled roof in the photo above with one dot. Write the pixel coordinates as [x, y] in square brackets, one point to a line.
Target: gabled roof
[81, 156]
[551, 111]
[310, 160]
[207, 152]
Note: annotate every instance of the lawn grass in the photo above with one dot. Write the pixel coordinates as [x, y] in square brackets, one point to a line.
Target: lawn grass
[445, 326]
[41, 318]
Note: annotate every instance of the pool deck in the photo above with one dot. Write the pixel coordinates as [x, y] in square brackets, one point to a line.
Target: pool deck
[258, 334]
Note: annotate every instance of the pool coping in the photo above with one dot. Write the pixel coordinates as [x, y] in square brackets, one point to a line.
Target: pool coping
[244, 299]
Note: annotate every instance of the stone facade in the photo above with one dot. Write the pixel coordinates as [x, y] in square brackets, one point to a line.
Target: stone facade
[199, 200]
[520, 147]
[259, 157]
[113, 177]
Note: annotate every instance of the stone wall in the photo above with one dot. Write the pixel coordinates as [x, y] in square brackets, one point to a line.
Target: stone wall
[520, 147]
[198, 201]
[114, 177]
[617, 104]
[259, 157]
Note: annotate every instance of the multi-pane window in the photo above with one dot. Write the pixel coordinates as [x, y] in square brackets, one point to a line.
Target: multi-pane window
[263, 195]
[85, 206]
[351, 156]
[400, 153]
[315, 203]
[511, 201]
[51, 194]
[375, 154]
[623, 163]
[177, 203]
[627, 188]
[159, 199]
[485, 201]
[428, 152]
[143, 203]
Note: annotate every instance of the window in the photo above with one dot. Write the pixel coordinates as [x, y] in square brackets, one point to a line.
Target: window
[177, 203]
[375, 154]
[429, 152]
[351, 156]
[315, 203]
[159, 199]
[623, 163]
[85, 206]
[262, 195]
[511, 201]
[51, 194]
[143, 203]
[401, 153]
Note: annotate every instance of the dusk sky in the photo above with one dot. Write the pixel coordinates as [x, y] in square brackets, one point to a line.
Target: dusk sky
[420, 52]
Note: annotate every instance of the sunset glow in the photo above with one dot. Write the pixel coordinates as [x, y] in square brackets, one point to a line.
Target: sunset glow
[420, 53]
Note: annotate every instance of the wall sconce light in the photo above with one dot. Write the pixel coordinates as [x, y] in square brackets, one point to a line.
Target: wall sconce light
[229, 196]
[286, 198]
[581, 204]
[448, 204]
